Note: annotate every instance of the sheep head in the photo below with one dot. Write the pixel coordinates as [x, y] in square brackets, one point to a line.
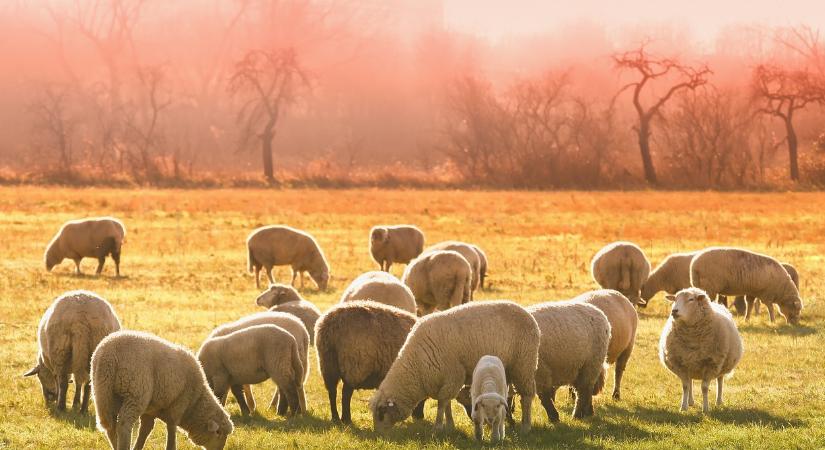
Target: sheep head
[689, 305]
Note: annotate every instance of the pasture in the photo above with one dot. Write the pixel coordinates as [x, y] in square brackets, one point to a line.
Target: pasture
[184, 267]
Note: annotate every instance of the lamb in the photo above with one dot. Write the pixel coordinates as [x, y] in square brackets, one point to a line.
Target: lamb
[439, 280]
[671, 275]
[748, 305]
[357, 343]
[489, 397]
[93, 238]
[307, 312]
[158, 379]
[288, 322]
[395, 244]
[67, 336]
[250, 356]
[442, 350]
[381, 287]
[482, 265]
[280, 245]
[623, 323]
[465, 250]
[734, 271]
[699, 341]
[575, 337]
[622, 266]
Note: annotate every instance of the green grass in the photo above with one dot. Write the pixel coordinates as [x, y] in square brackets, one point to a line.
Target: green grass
[185, 272]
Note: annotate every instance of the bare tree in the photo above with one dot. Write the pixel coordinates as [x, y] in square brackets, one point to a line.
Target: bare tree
[270, 81]
[783, 92]
[53, 128]
[142, 122]
[649, 70]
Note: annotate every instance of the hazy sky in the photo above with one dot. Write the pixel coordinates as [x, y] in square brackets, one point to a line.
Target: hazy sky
[495, 18]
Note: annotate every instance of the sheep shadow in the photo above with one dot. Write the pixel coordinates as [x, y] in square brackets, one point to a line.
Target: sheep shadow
[781, 330]
[303, 422]
[73, 417]
[91, 276]
[727, 415]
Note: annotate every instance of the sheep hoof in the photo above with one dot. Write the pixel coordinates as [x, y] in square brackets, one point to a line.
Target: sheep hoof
[617, 396]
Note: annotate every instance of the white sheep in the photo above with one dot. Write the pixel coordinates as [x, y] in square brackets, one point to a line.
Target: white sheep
[735, 271]
[468, 252]
[279, 245]
[381, 287]
[574, 340]
[671, 275]
[441, 352]
[306, 311]
[278, 294]
[750, 305]
[699, 341]
[87, 238]
[622, 266]
[439, 280]
[357, 342]
[139, 375]
[67, 336]
[391, 244]
[489, 396]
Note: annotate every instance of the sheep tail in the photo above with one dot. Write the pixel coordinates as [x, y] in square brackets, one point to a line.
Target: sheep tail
[599, 386]
[624, 283]
[298, 369]
[460, 294]
[81, 354]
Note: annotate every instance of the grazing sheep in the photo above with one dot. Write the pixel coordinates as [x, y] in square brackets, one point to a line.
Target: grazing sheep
[699, 341]
[465, 250]
[381, 287]
[621, 266]
[442, 350]
[489, 396]
[395, 244]
[67, 336]
[357, 342]
[304, 310]
[279, 245]
[575, 337]
[749, 305]
[482, 265]
[671, 275]
[439, 280]
[87, 238]
[139, 375]
[734, 271]
[623, 323]
[253, 355]
[288, 322]
[278, 294]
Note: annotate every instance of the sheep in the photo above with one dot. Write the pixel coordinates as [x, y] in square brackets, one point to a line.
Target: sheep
[307, 312]
[395, 244]
[87, 238]
[439, 280]
[489, 397]
[67, 336]
[280, 245]
[575, 337]
[139, 375]
[622, 266]
[468, 252]
[442, 350]
[482, 265]
[671, 275]
[623, 323]
[357, 342]
[381, 287]
[699, 341]
[278, 294]
[748, 305]
[735, 271]
[252, 355]
[288, 322]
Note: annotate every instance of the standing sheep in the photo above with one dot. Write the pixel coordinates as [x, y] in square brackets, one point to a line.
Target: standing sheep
[489, 396]
[87, 238]
[623, 323]
[699, 341]
[391, 244]
[734, 271]
[357, 342]
[67, 336]
[621, 266]
[442, 350]
[749, 305]
[574, 340]
[138, 375]
[482, 265]
[381, 287]
[251, 356]
[468, 252]
[439, 280]
[671, 275]
[279, 245]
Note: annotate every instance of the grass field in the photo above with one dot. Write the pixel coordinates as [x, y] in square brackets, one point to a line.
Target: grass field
[185, 272]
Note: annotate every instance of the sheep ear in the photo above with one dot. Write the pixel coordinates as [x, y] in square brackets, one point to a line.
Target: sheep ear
[212, 426]
[33, 371]
[670, 297]
[703, 297]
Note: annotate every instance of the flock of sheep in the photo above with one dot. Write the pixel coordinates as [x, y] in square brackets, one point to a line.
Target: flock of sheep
[411, 339]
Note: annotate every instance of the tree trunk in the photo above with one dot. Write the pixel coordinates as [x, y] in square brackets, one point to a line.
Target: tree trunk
[644, 148]
[266, 154]
[793, 146]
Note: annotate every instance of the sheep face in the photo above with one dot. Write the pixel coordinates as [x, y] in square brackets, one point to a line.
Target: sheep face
[214, 435]
[53, 256]
[791, 310]
[689, 305]
[48, 382]
[385, 412]
[321, 278]
[277, 294]
[379, 237]
[489, 409]
[648, 291]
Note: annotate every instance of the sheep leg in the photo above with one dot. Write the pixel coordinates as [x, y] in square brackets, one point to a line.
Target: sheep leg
[346, 399]
[548, 400]
[257, 276]
[439, 415]
[705, 407]
[237, 391]
[723, 299]
[418, 411]
[76, 399]
[171, 434]
[84, 402]
[584, 401]
[756, 303]
[448, 411]
[389, 264]
[686, 382]
[116, 259]
[101, 260]
[125, 421]
[62, 390]
[280, 400]
[621, 364]
[771, 312]
[526, 412]
[269, 275]
[332, 393]
[77, 267]
[741, 305]
[477, 430]
[294, 276]
[749, 304]
[719, 391]
[250, 399]
[147, 423]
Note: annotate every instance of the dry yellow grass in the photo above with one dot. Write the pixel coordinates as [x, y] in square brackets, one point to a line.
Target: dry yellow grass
[185, 272]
